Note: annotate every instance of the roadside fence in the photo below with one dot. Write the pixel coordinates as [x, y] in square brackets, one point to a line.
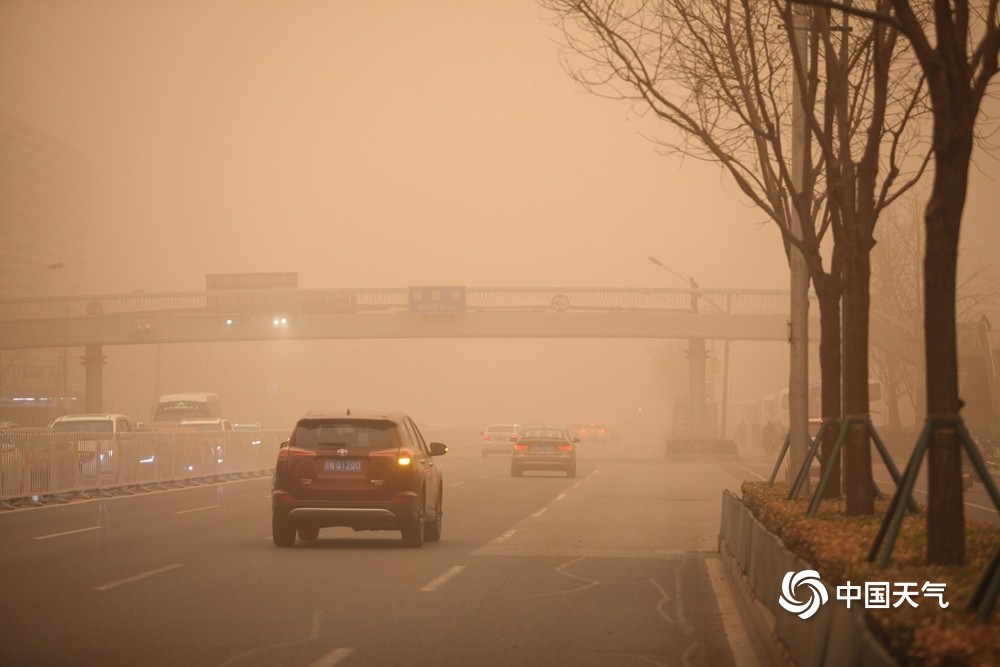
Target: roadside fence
[38, 466]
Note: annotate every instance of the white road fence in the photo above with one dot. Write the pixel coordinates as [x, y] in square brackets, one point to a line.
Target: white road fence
[40, 466]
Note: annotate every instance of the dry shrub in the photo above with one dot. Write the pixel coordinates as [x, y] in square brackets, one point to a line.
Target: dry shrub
[837, 546]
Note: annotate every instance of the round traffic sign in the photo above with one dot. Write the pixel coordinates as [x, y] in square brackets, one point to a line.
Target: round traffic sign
[560, 303]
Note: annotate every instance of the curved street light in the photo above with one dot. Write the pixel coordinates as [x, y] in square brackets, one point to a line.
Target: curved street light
[57, 265]
[660, 264]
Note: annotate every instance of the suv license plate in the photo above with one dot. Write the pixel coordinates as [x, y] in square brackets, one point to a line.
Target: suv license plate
[341, 465]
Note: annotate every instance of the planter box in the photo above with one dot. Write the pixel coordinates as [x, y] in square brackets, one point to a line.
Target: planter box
[835, 636]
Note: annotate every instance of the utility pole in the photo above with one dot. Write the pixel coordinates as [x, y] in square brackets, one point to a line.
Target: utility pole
[798, 329]
[697, 355]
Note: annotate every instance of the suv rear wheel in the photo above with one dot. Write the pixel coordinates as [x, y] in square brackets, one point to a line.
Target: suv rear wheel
[413, 530]
[308, 533]
[432, 529]
[413, 534]
[282, 531]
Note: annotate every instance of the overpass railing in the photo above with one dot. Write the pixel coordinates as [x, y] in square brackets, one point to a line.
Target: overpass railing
[765, 302]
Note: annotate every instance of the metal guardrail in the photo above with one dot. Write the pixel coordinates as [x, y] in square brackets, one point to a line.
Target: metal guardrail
[762, 302]
[40, 466]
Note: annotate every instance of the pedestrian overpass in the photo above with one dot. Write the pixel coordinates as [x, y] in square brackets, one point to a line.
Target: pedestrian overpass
[422, 312]
[229, 315]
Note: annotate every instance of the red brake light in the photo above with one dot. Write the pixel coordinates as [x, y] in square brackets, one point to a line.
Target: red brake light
[520, 447]
[486, 436]
[601, 431]
[565, 448]
[287, 453]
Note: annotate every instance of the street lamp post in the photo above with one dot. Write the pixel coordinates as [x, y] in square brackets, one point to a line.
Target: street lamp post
[697, 357]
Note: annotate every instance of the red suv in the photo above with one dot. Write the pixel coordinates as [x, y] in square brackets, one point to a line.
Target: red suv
[366, 471]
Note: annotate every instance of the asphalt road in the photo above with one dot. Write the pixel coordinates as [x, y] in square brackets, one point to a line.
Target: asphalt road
[617, 567]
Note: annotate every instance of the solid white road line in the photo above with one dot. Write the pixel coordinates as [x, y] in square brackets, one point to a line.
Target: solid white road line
[739, 641]
[129, 580]
[198, 509]
[443, 579]
[332, 657]
[560, 496]
[68, 532]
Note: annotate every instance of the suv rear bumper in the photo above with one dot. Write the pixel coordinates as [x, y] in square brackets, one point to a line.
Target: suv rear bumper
[356, 515]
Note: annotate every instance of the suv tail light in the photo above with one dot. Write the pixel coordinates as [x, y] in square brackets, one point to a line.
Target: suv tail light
[287, 453]
[403, 456]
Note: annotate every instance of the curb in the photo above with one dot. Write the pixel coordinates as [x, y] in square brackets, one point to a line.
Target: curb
[834, 637]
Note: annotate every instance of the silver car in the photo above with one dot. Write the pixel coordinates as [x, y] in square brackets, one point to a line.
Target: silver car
[498, 439]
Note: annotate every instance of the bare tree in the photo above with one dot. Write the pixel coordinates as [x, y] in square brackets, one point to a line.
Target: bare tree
[721, 72]
[957, 45]
[872, 93]
[897, 280]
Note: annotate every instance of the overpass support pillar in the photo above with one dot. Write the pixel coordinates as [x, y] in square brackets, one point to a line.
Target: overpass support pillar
[697, 357]
[93, 361]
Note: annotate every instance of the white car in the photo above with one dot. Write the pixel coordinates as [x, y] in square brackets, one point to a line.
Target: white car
[215, 431]
[498, 439]
[97, 442]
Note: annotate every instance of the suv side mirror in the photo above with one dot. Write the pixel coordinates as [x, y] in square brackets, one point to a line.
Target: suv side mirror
[438, 448]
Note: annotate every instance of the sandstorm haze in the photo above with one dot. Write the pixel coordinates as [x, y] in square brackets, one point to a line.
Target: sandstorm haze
[381, 144]
[359, 144]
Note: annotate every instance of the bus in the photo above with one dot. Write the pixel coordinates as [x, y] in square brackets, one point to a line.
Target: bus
[768, 420]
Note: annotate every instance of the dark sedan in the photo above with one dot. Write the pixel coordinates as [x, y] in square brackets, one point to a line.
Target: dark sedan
[544, 448]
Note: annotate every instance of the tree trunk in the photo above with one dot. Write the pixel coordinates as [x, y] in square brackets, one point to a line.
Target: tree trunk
[945, 506]
[859, 485]
[828, 294]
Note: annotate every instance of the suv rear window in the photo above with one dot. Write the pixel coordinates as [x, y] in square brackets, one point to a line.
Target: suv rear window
[352, 433]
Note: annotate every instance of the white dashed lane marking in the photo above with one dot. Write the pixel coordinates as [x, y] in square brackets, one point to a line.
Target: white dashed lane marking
[331, 658]
[443, 579]
[68, 532]
[198, 509]
[137, 577]
[506, 536]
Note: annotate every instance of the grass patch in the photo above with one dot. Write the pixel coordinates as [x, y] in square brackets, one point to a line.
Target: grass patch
[837, 546]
